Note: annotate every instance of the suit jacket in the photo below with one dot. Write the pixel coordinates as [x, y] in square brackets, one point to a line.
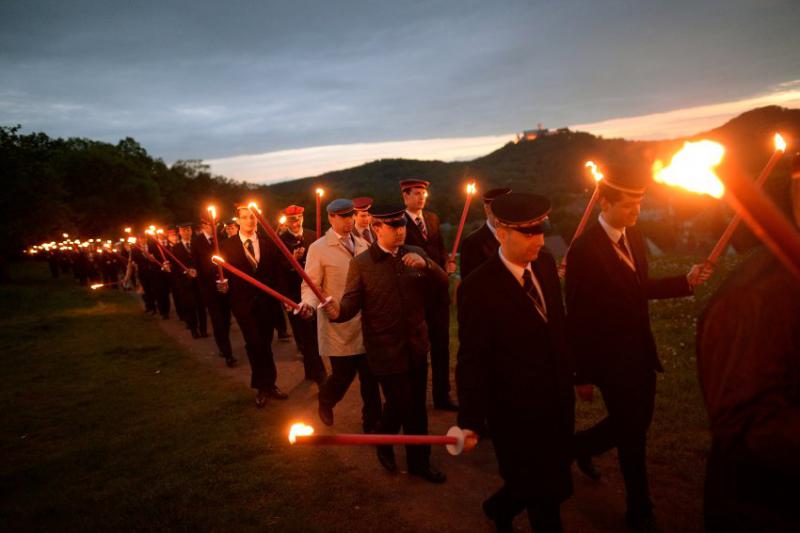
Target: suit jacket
[748, 347]
[514, 372]
[608, 319]
[477, 248]
[434, 244]
[245, 298]
[327, 263]
[392, 299]
[292, 279]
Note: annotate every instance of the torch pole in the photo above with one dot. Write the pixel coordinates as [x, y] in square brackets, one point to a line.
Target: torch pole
[254, 282]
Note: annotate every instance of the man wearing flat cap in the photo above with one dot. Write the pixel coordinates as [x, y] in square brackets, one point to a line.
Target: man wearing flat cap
[513, 369]
[254, 310]
[607, 289]
[482, 244]
[297, 239]
[327, 262]
[423, 231]
[389, 284]
[362, 227]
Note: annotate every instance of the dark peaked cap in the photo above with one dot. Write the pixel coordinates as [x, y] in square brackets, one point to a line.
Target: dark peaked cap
[411, 183]
[523, 212]
[491, 194]
[390, 215]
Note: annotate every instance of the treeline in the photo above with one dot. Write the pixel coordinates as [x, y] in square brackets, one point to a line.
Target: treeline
[96, 188]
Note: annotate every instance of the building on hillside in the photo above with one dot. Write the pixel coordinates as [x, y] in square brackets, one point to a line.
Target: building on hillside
[532, 135]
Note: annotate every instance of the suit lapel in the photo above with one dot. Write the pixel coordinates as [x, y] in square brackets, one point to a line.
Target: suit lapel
[512, 287]
[619, 273]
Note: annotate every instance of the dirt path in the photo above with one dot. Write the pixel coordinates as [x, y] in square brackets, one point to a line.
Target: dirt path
[403, 502]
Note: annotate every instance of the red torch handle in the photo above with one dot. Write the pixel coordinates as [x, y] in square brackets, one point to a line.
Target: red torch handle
[726, 236]
[220, 275]
[370, 440]
[279, 243]
[177, 261]
[251, 280]
[582, 224]
[765, 219]
[319, 217]
[461, 223]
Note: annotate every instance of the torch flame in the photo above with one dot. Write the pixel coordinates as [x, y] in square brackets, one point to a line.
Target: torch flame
[212, 211]
[692, 168]
[780, 144]
[300, 430]
[593, 168]
[65, 235]
[282, 219]
[320, 192]
[96, 286]
[471, 188]
[150, 231]
[127, 230]
[151, 227]
[217, 259]
[131, 240]
[160, 231]
[253, 206]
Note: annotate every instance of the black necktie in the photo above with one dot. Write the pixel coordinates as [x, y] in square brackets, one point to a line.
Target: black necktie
[622, 247]
[252, 251]
[421, 226]
[368, 236]
[533, 294]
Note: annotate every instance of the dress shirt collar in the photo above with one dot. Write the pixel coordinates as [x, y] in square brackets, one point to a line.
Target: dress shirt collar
[516, 270]
[613, 233]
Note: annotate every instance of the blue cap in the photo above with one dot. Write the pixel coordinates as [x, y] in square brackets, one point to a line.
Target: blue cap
[340, 206]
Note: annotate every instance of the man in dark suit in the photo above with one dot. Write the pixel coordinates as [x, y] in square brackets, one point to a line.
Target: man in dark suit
[748, 362]
[423, 231]
[362, 227]
[482, 244]
[607, 289]
[187, 284]
[389, 284]
[513, 367]
[218, 304]
[297, 239]
[254, 310]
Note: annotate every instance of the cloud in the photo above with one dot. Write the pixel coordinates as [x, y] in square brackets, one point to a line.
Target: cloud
[304, 162]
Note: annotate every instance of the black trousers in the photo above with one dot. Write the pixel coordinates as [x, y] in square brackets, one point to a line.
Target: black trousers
[630, 411]
[305, 337]
[219, 310]
[437, 316]
[405, 407]
[257, 327]
[161, 283]
[148, 294]
[507, 503]
[196, 318]
[343, 371]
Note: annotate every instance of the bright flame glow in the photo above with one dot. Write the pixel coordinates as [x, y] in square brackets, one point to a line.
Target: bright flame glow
[593, 168]
[471, 188]
[160, 231]
[212, 211]
[282, 220]
[299, 430]
[151, 227]
[692, 168]
[96, 286]
[252, 205]
[320, 192]
[131, 240]
[780, 144]
[217, 259]
[150, 231]
[127, 230]
[65, 235]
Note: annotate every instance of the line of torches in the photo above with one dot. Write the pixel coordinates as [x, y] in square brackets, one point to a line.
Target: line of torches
[691, 168]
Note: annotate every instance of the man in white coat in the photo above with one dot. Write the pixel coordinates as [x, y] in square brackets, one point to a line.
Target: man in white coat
[327, 263]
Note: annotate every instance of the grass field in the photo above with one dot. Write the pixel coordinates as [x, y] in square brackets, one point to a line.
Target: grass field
[107, 423]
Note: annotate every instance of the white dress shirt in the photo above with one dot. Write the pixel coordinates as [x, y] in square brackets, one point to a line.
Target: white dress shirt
[518, 271]
[254, 240]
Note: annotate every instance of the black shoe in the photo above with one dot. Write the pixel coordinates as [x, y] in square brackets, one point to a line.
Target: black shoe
[261, 398]
[643, 523]
[502, 524]
[445, 404]
[325, 414]
[428, 473]
[195, 334]
[586, 466]
[275, 392]
[230, 361]
[386, 458]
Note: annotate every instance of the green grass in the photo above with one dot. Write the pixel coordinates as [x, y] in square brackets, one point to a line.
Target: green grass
[108, 424]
